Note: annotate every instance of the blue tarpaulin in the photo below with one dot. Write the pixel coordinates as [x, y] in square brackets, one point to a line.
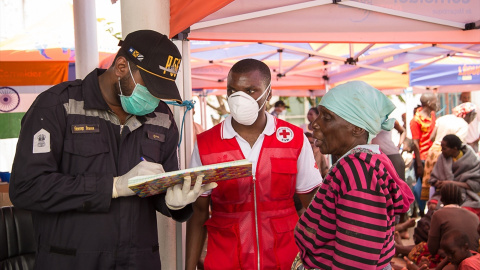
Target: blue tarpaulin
[438, 74]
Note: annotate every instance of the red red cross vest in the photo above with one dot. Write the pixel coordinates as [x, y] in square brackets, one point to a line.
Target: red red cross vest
[253, 218]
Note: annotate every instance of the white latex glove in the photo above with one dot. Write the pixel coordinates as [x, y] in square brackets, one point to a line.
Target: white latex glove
[120, 183]
[180, 195]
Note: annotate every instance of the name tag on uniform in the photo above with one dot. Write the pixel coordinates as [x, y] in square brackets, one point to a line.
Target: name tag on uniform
[85, 128]
[156, 136]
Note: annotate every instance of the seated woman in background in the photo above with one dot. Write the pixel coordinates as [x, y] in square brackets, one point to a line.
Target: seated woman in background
[350, 222]
[458, 165]
[455, 123]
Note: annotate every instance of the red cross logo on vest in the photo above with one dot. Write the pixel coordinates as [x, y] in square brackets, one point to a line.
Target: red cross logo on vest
[284, 134]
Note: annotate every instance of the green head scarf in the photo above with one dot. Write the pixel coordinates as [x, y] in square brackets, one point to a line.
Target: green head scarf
[361, 105]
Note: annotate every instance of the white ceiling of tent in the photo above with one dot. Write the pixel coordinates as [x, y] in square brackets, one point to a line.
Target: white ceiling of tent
[367, 39]
[306, 66]
[379, 21]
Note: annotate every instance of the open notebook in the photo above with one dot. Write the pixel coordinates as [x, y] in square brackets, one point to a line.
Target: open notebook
[149, 185]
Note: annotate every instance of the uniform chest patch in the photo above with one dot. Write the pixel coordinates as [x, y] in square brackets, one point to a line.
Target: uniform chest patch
[85, 128]
[156, 136]
[284, 134]
[41, 142]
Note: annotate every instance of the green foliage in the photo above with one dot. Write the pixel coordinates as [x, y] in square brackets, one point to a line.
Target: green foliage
[109, 28]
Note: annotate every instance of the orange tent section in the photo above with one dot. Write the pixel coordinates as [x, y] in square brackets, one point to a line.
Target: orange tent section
[185, 13]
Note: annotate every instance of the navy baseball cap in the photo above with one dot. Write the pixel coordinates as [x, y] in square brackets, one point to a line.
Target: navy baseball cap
[158, 60]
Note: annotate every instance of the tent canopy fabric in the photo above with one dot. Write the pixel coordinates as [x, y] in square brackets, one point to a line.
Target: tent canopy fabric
[185, 13]
[346, 21]
[308, 67]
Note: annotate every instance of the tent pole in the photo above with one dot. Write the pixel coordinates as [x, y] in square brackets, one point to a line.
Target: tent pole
[203, 103]
[155, 15]
[86, 47]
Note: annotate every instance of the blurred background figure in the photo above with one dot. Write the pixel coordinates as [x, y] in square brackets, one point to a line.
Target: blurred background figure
[473, 135]
[384, 140]
[458, 165]
[422, 126]
[320, 158]
[457, 248]
[452, 216]
[455, 123]
[311, 116]
[279, 108]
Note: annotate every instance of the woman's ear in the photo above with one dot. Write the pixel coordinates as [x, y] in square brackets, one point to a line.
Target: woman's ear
[358, 132]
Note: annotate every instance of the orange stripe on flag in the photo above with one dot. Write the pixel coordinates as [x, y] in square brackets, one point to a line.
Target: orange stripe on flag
[33, 73]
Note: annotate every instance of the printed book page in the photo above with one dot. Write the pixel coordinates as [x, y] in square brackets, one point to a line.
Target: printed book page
[145, 186]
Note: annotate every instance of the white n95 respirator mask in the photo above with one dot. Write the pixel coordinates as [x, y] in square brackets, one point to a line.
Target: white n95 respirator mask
[243, 108]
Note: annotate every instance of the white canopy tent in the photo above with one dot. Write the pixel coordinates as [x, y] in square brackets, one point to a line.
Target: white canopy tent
[343, 21]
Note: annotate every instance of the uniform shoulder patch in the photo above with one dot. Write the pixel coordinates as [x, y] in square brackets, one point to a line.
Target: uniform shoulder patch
[284, 134]
[41, 142]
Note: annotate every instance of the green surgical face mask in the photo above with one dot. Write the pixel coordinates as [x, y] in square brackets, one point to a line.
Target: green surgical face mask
[140, 102]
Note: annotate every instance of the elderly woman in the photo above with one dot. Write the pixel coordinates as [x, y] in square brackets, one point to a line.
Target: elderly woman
[350, 222]
[459, 165]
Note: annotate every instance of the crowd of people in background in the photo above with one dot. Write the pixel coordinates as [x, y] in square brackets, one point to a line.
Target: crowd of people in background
[330, 194]
[446, 165]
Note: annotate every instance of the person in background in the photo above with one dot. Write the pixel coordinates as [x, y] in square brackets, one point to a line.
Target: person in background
[422, 126]
[455, 123]
[384, 140]
[81, 141]
[311, 116]
[458, 165]
[253, 218]
[457, 248]
[450, 217]
[320, 159]
[350, 222]
[473, 135]
[453, 216]
[459, 256]
[278, 108]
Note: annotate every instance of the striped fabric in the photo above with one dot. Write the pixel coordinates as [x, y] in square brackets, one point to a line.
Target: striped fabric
[350, 222]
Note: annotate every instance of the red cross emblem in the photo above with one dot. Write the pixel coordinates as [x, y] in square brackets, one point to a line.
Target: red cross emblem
[284, 134]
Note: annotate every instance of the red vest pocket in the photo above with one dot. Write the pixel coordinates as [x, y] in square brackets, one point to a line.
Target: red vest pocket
[224, 247]
[284, 243]
[284, 173]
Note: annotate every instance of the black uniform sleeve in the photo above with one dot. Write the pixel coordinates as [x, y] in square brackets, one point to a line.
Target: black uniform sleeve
[37, 182]
[170, 163]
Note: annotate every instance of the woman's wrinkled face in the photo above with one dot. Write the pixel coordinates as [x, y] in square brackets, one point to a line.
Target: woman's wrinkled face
[333, 133]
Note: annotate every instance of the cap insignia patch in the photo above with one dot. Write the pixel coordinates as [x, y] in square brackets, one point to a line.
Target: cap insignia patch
[135, 54]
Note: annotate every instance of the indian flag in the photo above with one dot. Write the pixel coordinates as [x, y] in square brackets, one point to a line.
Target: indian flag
[20, 84]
